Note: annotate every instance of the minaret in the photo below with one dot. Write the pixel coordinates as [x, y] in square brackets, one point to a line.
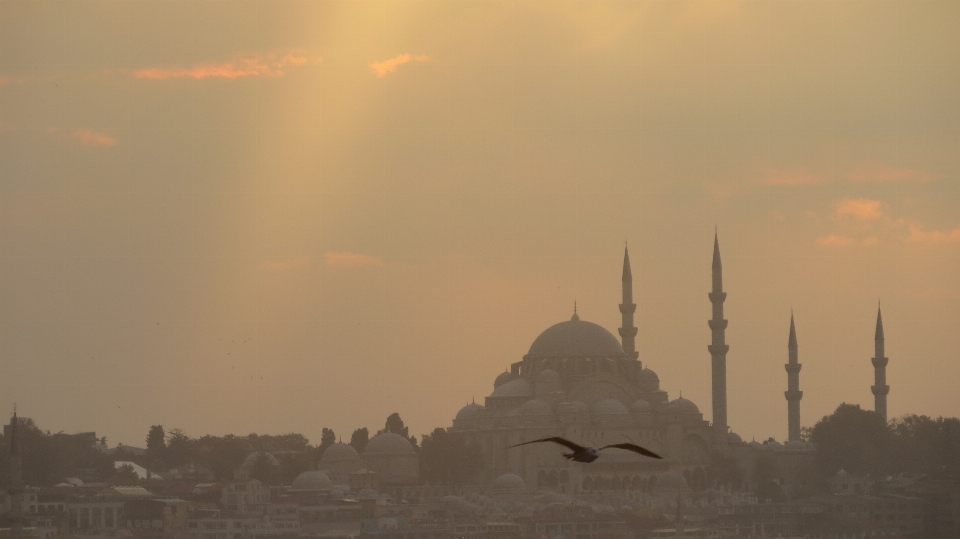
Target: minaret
[718, 347]
[880, 387]
[628, 332]
[15, 489]
[793, 393]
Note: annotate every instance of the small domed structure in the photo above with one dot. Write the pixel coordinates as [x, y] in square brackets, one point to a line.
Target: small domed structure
[648, 380]
[388, 443]
[609, 407]
[755, 444]
[534, 407]
[469, 412]
[733, 437]
[252, 458]
[509, 481]
[640, 406]
[503, 378]
[772, 445]
[311, 481]
[681, 405]
[515, 388]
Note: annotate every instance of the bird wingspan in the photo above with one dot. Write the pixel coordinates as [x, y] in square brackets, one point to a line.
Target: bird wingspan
[635, 448]
[557, 440]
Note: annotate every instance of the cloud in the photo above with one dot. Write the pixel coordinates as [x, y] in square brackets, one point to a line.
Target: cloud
[381, 69]
[834, 240]
[289, 264]
[350, 260]
[774, 177]
[917, 234]
[97, 139]
[270, 65]
[860, 208]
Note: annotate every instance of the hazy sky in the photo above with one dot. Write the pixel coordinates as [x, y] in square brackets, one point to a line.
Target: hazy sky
[274, 216]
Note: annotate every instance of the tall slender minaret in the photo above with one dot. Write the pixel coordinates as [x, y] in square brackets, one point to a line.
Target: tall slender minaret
[880, 387]
[15, 488]
[628, 332]
[793, 393]
[718, 347]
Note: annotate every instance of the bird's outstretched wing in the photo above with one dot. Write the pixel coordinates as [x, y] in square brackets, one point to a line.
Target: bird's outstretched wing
[635, 448]
[557, 440]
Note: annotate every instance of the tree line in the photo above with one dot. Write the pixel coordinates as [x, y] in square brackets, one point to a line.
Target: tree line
[445, 457]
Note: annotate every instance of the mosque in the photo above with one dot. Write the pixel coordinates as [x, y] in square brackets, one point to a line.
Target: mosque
[580, 382]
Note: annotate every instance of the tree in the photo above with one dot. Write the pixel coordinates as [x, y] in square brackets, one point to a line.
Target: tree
[156, 441]
[179, 448]
[126, 476]
[854, 439]
[395, 425]
[359, 439]
[327, 438]
[446, 458]
[766, 475]
[263, 469]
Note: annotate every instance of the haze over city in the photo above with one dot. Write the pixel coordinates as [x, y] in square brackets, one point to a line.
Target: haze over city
[277, 217]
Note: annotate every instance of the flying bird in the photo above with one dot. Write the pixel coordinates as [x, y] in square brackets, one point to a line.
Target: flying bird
[590, 454]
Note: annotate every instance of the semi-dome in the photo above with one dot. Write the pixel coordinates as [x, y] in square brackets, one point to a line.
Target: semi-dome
[576, 338]
[609, 407]
[469, 411]
[683, 406]
[503, 378]
[534, 407]
[515, 388]
[548, 375]
[252, 458]
[311, 481]
[388, 443]
[508, 481]
[641, 406]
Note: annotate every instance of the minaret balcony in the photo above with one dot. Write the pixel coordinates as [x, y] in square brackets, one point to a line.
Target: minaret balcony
[628, 308]
[793, 395]
[717, 324]
[880, 390]
[793, 368]
[718, 348]
[717, 297]
[879, 361]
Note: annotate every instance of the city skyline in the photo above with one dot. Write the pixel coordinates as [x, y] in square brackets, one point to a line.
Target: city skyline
[279, 217]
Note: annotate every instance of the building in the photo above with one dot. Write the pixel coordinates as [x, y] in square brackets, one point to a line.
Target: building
[578, 381]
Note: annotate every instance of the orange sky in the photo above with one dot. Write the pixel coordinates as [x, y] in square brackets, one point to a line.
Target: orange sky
[282, 216]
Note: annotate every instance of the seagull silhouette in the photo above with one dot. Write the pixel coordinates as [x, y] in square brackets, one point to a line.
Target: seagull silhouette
[590, 454]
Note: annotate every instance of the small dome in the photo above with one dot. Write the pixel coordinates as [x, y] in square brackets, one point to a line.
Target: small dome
[252, 458]
[641, 406]
[773, 445]
[534, 407]
[671, 480]
[755, 444]
[609, 407]
[647, 374]
[311, 482]
[734, 437]
[576, 338]
[508, 481]
[515, 388]
[469, 411]
[339, 451]
[683, 406]
[389, 443]
[503, 378]
[548, 375]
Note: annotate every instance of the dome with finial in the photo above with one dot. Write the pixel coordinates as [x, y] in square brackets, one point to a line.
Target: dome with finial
[576, 338]
[503, 378]
[469, 411]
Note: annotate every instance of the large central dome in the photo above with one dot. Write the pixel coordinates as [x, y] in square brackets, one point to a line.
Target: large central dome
[576, 338]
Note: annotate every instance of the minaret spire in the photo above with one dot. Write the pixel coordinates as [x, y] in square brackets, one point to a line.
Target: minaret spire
[880, 388]
[793, 393]
[718, 347]
[628, 332]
